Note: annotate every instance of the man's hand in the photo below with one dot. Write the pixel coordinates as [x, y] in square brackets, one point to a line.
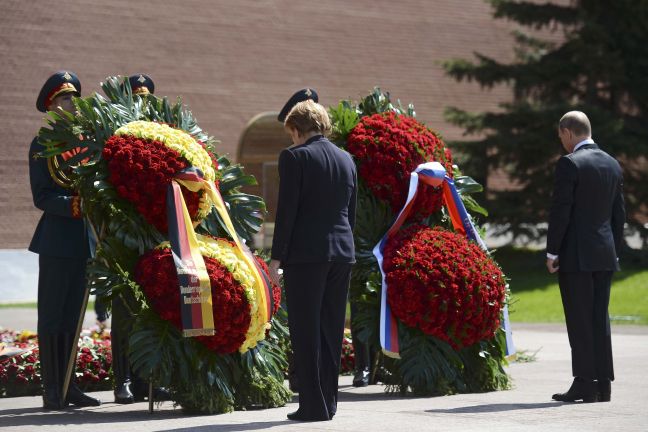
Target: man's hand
[552, 265]
[274, 272]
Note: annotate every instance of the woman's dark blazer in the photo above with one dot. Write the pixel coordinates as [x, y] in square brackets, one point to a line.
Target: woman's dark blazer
[317, 204]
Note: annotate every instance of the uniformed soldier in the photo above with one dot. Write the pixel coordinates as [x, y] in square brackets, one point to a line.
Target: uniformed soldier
[62, 243]
[141, 85]
[129, 387]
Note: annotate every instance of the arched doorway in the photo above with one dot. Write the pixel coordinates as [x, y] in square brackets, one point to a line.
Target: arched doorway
[258, 151]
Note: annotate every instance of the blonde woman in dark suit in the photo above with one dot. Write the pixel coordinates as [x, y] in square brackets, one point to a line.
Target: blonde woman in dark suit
[313, 243]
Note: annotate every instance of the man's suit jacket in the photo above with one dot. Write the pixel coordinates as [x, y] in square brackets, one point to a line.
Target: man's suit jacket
[587, 212]
[317, 202]
[59, 233]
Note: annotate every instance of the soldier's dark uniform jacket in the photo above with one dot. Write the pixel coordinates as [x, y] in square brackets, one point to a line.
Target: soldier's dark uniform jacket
[61, 232]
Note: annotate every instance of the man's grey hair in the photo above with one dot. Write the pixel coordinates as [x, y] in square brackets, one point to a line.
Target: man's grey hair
[577, 122]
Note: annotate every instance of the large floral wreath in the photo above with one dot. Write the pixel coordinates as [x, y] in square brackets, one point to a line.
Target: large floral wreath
[445, 292]
[135, 147]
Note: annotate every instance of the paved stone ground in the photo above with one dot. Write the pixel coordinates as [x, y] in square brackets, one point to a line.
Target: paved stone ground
[527, 407]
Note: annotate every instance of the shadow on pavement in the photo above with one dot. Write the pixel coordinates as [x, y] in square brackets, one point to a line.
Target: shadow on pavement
[232, 427]
[37, 417]
[496, 408]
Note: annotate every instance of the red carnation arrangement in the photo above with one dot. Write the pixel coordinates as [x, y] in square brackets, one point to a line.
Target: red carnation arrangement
[444, 285]
[156, 274]
[347, 356]
[21, 375]
[141, 170]
[276, 291]
[388, 147]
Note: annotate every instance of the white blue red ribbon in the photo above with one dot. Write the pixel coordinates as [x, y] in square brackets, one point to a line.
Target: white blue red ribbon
[433, 174]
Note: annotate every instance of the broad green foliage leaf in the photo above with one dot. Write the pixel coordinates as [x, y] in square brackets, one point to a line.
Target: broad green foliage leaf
[344, 118]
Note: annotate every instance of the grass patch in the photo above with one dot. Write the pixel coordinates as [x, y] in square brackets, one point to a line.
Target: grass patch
[33, 305]
[536, 296]
[25, 305]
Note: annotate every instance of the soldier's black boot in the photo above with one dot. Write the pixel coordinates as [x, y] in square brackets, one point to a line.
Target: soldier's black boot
[74, 394]
[49, 363]
[141, 391]
[361, 354]
[121, 369]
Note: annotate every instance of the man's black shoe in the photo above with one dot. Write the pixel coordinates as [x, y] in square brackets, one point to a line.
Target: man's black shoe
[361, 378]
[77, 398]
[298, 416]
[604, 388]
[581, 389]
[123, 394]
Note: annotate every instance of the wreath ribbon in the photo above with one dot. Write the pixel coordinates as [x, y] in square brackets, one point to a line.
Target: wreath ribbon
[195, 288]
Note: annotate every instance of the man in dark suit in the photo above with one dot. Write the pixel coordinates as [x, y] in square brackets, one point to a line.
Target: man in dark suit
[313, 243]
[584, 239]
[61, 240]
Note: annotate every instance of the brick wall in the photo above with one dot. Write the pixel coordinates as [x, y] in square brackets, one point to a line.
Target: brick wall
[233, 59]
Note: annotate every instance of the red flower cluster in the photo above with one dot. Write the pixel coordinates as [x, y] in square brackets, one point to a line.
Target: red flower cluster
[93, 363]
[156, 274]
[388, 147]
[444, 285]
[347, 358]
[141, 170]
[21, 375]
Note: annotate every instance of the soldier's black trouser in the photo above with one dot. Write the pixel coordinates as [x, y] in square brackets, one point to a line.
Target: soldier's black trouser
[61, 288]
[360, 349]
[316, 296]
[121, 327]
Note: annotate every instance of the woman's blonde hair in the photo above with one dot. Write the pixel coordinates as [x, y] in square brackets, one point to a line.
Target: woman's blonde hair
[308, 116]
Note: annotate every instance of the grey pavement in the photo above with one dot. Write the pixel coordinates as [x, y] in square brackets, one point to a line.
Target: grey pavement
[18, 276]
[526, 407]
